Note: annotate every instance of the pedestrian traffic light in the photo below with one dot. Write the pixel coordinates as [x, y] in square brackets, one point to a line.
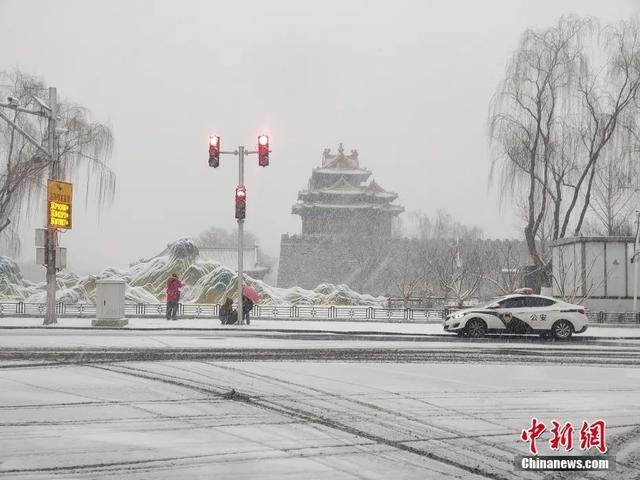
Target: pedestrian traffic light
[263, 150]
[241, 203]
[214, 151]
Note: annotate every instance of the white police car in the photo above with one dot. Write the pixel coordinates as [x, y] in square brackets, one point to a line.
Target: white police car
[520, 314]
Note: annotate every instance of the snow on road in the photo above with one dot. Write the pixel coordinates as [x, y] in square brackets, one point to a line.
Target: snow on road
[167, 420]
[335, 326]
[374, 418]
[49, 343]
[56, 345]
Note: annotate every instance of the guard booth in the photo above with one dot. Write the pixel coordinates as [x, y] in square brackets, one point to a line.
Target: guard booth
[596, 272]
[110, 303]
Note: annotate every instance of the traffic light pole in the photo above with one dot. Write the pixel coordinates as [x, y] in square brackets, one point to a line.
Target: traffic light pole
[240, 239]
[263, 160]
[240, 152]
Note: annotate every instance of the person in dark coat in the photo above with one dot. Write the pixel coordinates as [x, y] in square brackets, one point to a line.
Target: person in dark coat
[173, 296]
[227, 315]
[247, 306]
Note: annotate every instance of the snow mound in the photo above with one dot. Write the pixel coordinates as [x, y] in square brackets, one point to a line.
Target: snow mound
[204, 281]
[12, 285]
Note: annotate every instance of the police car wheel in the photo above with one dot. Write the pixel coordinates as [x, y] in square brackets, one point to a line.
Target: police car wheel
[562, 330]
[476, 328]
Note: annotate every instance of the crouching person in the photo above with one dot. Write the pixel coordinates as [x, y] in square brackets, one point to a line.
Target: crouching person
[228, 316]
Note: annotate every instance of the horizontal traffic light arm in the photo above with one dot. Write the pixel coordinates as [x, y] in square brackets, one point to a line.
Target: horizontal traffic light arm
[235, 152]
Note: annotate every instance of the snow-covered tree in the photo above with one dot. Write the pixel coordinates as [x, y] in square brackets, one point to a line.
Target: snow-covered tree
[84, 147]
[568, 101]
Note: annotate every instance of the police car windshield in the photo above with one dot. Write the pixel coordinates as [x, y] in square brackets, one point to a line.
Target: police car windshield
[494, 303]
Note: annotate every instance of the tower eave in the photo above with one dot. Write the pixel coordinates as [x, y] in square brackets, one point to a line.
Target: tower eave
[298, 207]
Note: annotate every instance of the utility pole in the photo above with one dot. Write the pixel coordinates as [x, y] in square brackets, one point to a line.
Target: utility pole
[241, 192]
[52, 233]
[50, 112]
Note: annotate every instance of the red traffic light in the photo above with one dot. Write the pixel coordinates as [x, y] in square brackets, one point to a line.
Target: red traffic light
[214, 151]
[241, 203]
[263, 150]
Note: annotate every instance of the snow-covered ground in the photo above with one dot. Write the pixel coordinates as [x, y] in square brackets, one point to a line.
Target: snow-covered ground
[371, 405]
[335, 420]
[334, 326]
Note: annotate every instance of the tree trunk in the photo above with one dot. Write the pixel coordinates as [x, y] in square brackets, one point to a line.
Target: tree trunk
[587, 199]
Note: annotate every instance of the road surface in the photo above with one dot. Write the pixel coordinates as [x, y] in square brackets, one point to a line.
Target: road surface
[325, 405]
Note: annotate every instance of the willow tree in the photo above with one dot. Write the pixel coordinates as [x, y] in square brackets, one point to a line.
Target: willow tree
[568, 101]
[614, 197]
[84, 148]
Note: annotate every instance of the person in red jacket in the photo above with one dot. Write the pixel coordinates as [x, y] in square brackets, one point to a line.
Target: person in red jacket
[173, 296]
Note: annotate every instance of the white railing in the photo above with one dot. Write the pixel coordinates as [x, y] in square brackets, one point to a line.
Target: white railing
[204, 310]
[282, 312]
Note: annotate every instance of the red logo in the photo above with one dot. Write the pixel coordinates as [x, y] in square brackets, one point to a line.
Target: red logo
[562, 436]
[592, 435]
[532, 434]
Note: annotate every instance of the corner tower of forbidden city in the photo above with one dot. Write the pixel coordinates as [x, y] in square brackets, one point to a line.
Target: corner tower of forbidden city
[342, 202]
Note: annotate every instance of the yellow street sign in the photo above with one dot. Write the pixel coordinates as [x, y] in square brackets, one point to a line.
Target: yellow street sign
[59, 200]
[58, 191]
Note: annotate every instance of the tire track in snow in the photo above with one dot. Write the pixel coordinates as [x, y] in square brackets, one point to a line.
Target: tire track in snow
[453, 434]
[188, 461]
[300, 414]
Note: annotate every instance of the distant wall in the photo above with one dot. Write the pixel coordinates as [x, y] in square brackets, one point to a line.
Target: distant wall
[307, 261]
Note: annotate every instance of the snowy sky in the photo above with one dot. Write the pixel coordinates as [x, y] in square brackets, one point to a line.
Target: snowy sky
[405, 82]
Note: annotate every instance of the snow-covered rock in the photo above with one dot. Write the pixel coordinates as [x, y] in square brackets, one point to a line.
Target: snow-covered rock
[204, 282]
[12, 285]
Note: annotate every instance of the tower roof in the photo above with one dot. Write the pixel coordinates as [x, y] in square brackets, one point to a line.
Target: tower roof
[372, 187]
[340, 161]
[343, 186]
[340, 183]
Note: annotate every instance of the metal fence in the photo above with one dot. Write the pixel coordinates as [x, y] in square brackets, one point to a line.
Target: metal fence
[631, 318]
[203, 310]
[279, 312]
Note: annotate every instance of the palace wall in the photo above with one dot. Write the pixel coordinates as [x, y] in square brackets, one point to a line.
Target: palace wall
[347, 222]
[307, 261]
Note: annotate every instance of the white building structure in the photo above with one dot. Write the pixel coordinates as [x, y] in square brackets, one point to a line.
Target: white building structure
[595, 271]
[228, 257]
